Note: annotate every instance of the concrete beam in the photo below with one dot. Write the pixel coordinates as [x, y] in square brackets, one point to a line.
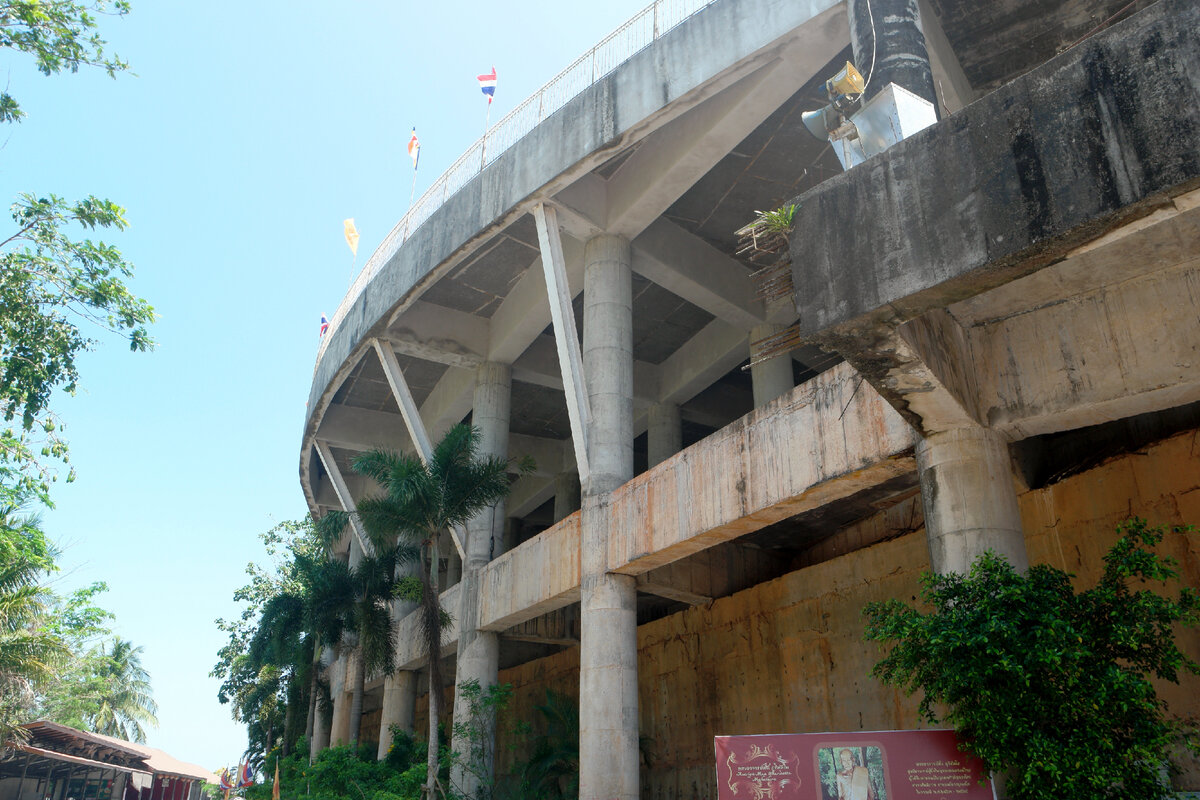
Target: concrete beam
[410, 651]
[1139, 341]
[404, 399]
[829, 438]
[524, 313]
[350, 428]
[688, 266]
[509, 598]
[529, 493]
[559, 627]
[673, 158]
[716, 349]
[443, 335]
[648, 585]
[345, 499]
[566, 337]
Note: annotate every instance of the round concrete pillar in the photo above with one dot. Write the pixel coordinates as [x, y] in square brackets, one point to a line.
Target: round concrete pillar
[969, 499]
[320, 734]
[479, 651]
[608, 703]
[608, 360]
[399, 703]
[772, 378]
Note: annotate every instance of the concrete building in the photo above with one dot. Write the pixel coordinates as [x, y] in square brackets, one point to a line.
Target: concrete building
[993, 344]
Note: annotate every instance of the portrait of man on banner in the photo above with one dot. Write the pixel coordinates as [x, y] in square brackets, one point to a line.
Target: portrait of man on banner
[852, 772]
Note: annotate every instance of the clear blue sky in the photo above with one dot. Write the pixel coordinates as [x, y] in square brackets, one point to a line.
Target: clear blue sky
[249, 132]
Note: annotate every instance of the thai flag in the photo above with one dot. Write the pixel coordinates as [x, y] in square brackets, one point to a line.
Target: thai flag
[226, 781]
[245, 776]
[414, 148]
[324, 324]
[487, 85]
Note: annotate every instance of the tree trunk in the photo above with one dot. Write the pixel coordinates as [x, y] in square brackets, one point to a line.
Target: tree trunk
[356, 698]
[289, 723]
[310, 725]
[431, 609]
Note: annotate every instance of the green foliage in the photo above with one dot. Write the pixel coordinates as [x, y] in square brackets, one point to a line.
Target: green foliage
[1048, 684]
[60, 35]
[265, 667]
[421, 501]
[29, 653]
[476, 731]
[52, 282]
[342, 773]
[552, 771]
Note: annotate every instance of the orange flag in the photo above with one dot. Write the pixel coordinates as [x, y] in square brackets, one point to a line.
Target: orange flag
[275, 788]
[351, 235]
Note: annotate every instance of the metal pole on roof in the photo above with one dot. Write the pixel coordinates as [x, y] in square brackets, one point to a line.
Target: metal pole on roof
[21, 783]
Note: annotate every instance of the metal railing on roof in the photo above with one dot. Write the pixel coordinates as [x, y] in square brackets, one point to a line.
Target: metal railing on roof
[608, 54]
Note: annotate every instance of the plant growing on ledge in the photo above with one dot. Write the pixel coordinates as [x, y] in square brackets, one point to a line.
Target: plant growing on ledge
[767, 232]
[1046, 684]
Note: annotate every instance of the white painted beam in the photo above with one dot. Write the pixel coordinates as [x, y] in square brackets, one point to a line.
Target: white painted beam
[566, 337]
[673, 158]
[404, 398]
[343, 493]
[412, 417]
[686, 265]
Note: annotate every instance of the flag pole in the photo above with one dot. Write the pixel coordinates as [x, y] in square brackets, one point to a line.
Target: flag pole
[411, 194]
[487, 118]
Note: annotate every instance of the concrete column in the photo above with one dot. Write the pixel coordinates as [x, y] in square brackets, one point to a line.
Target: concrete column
[399, 701]
[664, 434]
[608, 361]
[608, 702]
[339, 731]
[771, 378]
[454, 565]
[566, 495]
[479, 651]
[320, 736]
[891, 30]
[969, 499]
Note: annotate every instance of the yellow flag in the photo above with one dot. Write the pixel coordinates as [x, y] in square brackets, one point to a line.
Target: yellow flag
[275, 788]
[351, 235]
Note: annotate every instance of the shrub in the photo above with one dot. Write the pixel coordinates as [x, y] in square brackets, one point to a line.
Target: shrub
[1050, 685]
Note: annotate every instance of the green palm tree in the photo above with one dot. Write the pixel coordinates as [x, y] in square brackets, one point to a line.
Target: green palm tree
[355, 602]
[420, 501]
[29, 654]
[125, 702]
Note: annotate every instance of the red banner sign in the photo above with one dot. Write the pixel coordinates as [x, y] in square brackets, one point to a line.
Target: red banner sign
[876, 765]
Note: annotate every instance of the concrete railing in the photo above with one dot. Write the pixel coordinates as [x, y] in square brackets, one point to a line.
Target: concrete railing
[612, 51]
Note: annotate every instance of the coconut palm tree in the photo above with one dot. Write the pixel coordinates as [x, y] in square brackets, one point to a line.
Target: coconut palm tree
[29, 654]
[125, 702]
[420, 501]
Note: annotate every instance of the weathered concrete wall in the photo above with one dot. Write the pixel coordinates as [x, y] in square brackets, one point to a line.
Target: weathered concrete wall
[1100, 135]
[788, 655]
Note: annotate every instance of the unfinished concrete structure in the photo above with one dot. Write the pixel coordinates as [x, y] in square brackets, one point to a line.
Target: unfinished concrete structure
[997, 348]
